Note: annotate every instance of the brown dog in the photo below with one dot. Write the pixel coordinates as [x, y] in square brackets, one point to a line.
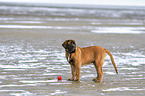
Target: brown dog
[77, 56]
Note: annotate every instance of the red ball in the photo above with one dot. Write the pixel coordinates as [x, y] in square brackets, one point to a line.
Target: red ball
[59, 77]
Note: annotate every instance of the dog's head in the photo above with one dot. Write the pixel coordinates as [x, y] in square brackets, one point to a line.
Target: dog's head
[69, 45]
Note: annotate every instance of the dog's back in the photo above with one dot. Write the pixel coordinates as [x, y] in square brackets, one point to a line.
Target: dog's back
[89, 54]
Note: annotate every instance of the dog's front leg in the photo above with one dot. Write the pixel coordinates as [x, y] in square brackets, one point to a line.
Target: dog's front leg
[73, 71]
[78, 71]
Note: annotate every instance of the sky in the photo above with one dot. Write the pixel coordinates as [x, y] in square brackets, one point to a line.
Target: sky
[90, 2]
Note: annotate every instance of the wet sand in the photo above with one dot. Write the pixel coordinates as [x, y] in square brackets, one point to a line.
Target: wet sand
[33, 62]
[31, 59]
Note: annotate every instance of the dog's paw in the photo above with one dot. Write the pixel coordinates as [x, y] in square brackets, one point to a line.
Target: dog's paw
[96, 80]
[70, 79]
[76, 80]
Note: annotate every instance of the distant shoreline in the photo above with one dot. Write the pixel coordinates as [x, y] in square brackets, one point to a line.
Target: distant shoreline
[74, 5]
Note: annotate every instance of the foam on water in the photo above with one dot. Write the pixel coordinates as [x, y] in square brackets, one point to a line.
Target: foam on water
[45, 27]
[38, 81]
[58, 92]
[120, 30]
[124, 89]
[23, 22]
[27, 59]
[134, 59]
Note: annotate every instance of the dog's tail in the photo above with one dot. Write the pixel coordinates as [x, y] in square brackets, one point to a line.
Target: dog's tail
[109, 53]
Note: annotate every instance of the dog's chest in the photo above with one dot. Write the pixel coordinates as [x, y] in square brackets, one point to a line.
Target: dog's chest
[70, 58]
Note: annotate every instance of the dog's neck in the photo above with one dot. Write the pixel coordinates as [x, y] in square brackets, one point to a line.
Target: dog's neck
[69, 56]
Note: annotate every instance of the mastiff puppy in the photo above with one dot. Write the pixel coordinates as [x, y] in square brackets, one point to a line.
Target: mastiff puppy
[77, 57]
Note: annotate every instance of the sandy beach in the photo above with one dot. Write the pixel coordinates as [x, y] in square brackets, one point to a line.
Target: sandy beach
[31, 55]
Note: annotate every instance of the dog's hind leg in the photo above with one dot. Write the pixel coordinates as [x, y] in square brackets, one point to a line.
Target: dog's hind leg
[95, 79]
[98, 65]
[99, 72]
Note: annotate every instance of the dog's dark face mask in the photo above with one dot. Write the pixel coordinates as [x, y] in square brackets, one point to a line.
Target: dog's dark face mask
[70, 46]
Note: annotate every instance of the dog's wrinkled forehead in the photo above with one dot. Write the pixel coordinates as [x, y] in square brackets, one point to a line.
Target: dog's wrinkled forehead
[68, 42]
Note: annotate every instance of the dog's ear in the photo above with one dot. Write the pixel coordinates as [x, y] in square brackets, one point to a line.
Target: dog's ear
[72, 41]
[65, 43]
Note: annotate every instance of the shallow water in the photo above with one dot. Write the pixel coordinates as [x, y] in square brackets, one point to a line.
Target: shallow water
[31, 55]
[26, 70]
